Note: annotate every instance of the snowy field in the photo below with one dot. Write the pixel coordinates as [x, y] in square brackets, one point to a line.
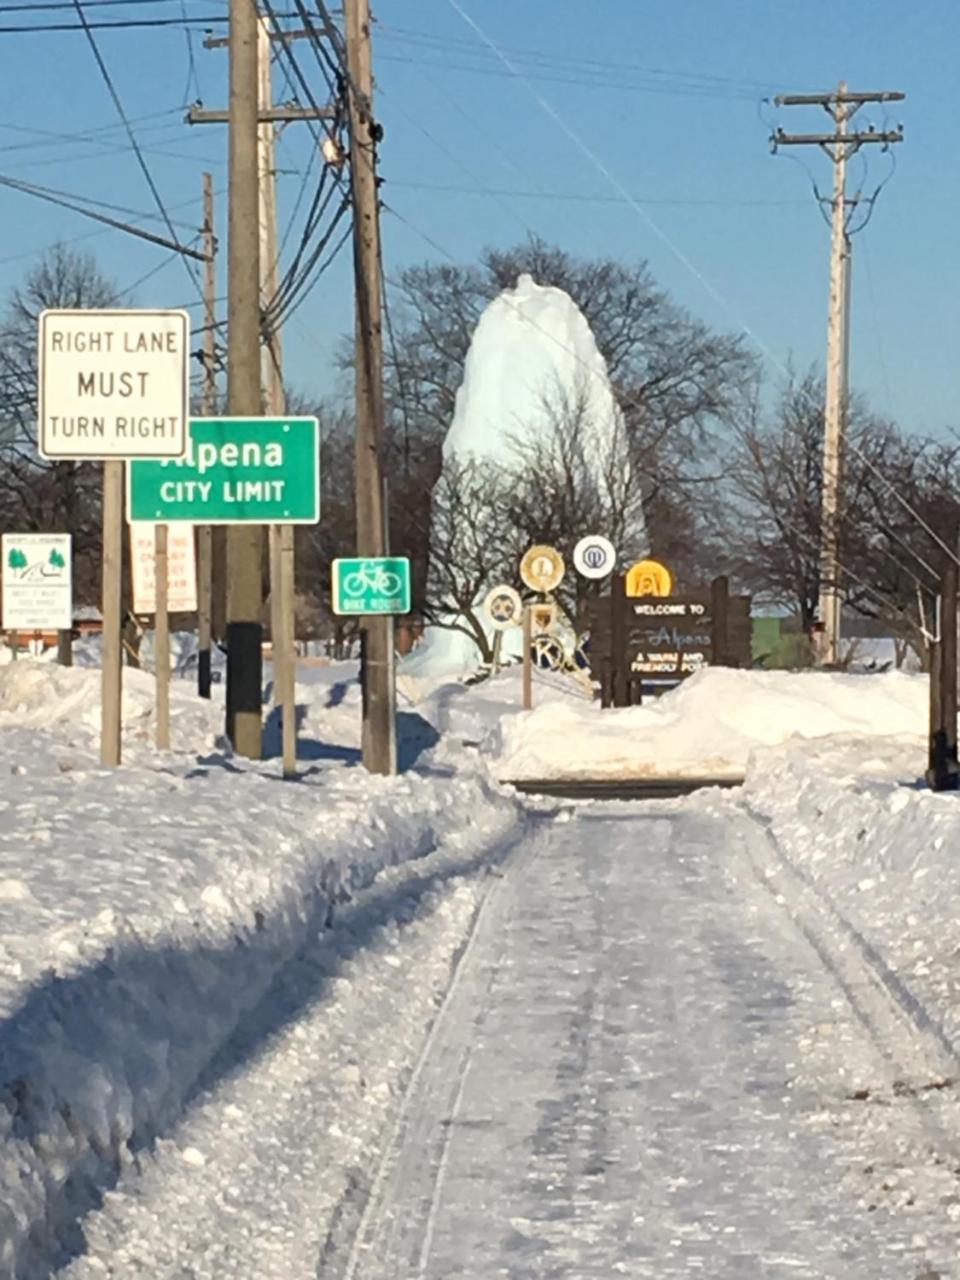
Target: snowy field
[219, 992]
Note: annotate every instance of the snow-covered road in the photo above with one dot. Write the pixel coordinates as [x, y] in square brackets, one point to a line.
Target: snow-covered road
[647, 1062]
[650, 1066]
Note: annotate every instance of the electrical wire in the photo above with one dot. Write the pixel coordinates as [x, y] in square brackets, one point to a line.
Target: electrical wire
[588, 198]
[125, 24]
[538, 57]
[105, 74]
[140, 232]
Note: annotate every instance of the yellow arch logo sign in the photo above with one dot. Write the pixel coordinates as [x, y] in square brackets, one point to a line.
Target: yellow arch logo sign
[649, 578]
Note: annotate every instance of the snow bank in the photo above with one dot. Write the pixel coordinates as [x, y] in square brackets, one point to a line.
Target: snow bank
[42, 695]
[708, 726]
[144, 911]
[852, 819]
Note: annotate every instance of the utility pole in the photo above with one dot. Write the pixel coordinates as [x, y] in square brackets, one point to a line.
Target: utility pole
[274, 400]
[244, 542]
[377, 675]
[205, 532]
[840, 145]
[244, 630]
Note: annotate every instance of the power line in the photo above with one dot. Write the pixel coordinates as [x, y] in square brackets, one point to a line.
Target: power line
[140, 232]
[38, 6]
[125, 24]
[105, 74]
[89, 235]
[585, 81]
[559, 60]
[586, 198]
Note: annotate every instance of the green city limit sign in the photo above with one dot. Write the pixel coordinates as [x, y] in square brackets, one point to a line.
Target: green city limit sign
[236, 471]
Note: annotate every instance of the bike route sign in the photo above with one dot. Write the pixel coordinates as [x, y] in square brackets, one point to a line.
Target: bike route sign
[371, 586]
[235, 471]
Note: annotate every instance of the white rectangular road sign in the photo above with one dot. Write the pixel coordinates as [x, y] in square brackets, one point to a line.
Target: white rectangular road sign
[181, 568]
[113, 384]
[37, 582]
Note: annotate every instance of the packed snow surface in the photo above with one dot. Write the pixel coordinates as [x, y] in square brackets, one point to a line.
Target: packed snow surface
[706, 727]
[220, 1049]
[145, 911]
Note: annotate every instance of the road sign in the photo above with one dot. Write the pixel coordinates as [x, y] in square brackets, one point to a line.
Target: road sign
[371, 586]
[594, 556]
[113, 384]
[649, 578]
[181, 568]
[37, 582]
[548, 653]
[504, 607]
[542, 568]
[235, 471]
[543, 618]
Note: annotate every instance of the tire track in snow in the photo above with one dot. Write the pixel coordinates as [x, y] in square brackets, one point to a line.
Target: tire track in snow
[441, 1073]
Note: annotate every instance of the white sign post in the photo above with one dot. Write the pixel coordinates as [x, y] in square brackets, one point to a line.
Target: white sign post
[163, 562]
[113, 386]
[37, 582]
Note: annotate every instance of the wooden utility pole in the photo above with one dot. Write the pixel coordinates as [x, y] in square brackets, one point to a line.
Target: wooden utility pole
[205, 533]
[274, 400]
[244, 542]
[244, 629]
[840, 145]
[943, 773]
[112, 654]
[379, 711]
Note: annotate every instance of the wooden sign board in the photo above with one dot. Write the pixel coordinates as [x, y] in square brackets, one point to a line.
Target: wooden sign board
[666, 637]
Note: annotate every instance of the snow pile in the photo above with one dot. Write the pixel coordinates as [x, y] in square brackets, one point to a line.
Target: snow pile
[144, 912]
[708, 726]
[469, 713]
[853, 820]
[535, 391]
[41, 695]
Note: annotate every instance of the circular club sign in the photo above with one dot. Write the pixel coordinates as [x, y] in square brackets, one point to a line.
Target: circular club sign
[504, 607]
[542, 568]
[649, 578]
[594, 556]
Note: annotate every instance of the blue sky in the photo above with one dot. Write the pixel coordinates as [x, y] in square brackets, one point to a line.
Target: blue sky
[471, 159]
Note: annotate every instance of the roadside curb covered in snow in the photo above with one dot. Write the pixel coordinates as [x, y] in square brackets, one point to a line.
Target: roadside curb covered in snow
[119, 987]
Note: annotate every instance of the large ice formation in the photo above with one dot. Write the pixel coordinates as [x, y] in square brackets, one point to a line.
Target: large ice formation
[533, 362]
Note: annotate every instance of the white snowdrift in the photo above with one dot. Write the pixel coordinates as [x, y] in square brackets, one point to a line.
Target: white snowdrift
[144, 911]
[42, 695]
[708, 726]
[853, 819]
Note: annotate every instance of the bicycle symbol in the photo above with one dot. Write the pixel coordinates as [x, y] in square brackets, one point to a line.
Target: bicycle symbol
[373, 578]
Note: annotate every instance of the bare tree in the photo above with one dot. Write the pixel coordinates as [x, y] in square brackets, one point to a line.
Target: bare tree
[560, 477]
[896, 487]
